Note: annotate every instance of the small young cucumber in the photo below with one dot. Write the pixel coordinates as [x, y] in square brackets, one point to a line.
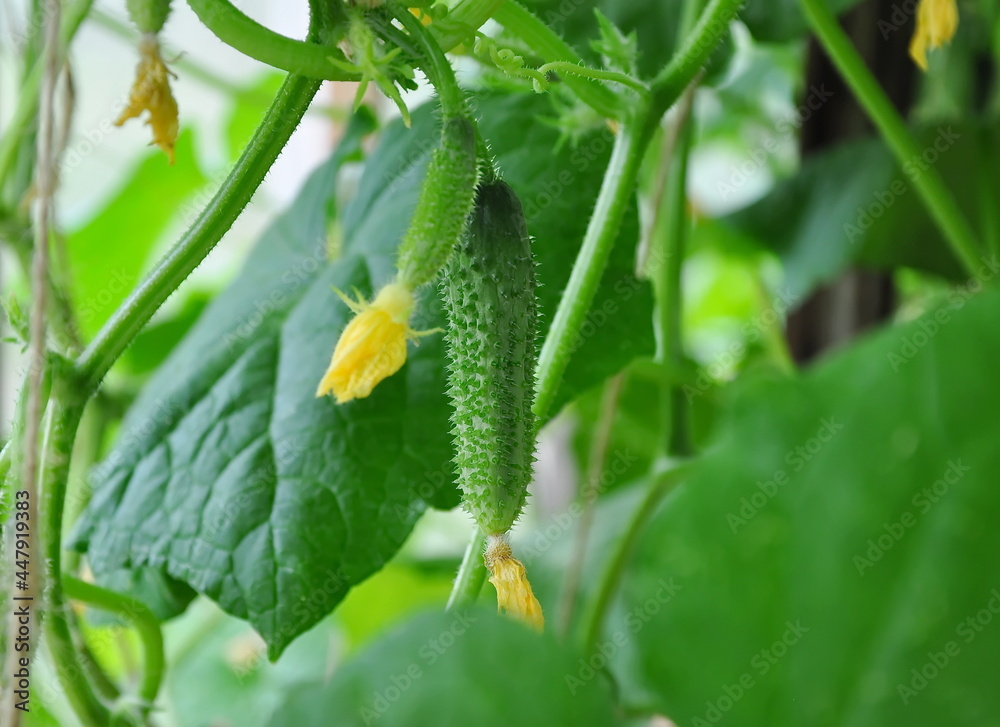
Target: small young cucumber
[445, 202]
[489, 294]
[148, 15]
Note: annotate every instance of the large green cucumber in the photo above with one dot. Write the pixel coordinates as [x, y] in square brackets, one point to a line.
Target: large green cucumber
[489, 294]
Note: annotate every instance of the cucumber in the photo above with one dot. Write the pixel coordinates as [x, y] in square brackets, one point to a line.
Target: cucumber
[445, 201]
[489, 295]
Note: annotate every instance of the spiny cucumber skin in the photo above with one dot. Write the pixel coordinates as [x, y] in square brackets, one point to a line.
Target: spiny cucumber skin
[148, 15]
[444, 205]
[489, 295]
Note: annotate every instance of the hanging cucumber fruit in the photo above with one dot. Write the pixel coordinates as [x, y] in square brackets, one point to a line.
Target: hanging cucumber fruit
[489, 295]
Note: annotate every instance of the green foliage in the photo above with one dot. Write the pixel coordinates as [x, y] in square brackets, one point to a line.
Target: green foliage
[280, 502]
[855, 204]
[488, 290]
[452, 668]
[835, 542]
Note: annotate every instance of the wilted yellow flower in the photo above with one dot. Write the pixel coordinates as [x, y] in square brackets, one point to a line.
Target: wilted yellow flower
[151, 92]
[373, 346]
[937, 21]
[514, 594]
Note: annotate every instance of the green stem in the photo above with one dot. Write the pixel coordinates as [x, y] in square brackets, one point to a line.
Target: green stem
[612, 201]
[435, 64]
[698, 46]
[471, 574]
[252, 39]
[279, 122]
[550, 47]
[596, 464]
[583, 71]
[138, 614]
[670, 307]
[30, 91]
[931, 188]
[593, 620]
[65, 410]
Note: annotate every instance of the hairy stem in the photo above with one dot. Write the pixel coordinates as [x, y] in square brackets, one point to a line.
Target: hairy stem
[616, 190]
[65, 410]
[279, 122]
[693, 54]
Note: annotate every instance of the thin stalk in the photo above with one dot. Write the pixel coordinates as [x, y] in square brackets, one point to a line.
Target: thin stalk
[65, 410]
[32, 588]
[602, 231]
[591, 489]
[551, 48]
[614, 570]
[930, 186]
[435, 64]
[471, 574]
[578, 69]
[670, 304]
[694, 53]
[269, 139]
[30, 91]
[136, 612]
[252, 39]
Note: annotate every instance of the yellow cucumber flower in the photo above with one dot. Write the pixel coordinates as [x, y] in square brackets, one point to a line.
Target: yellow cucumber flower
[151, 92]
[508, 576]
[372, 346]
[937, 21]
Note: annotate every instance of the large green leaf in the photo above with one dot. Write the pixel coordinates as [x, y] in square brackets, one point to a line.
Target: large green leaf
[472, 668]
[232, 477]
[835, 553]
